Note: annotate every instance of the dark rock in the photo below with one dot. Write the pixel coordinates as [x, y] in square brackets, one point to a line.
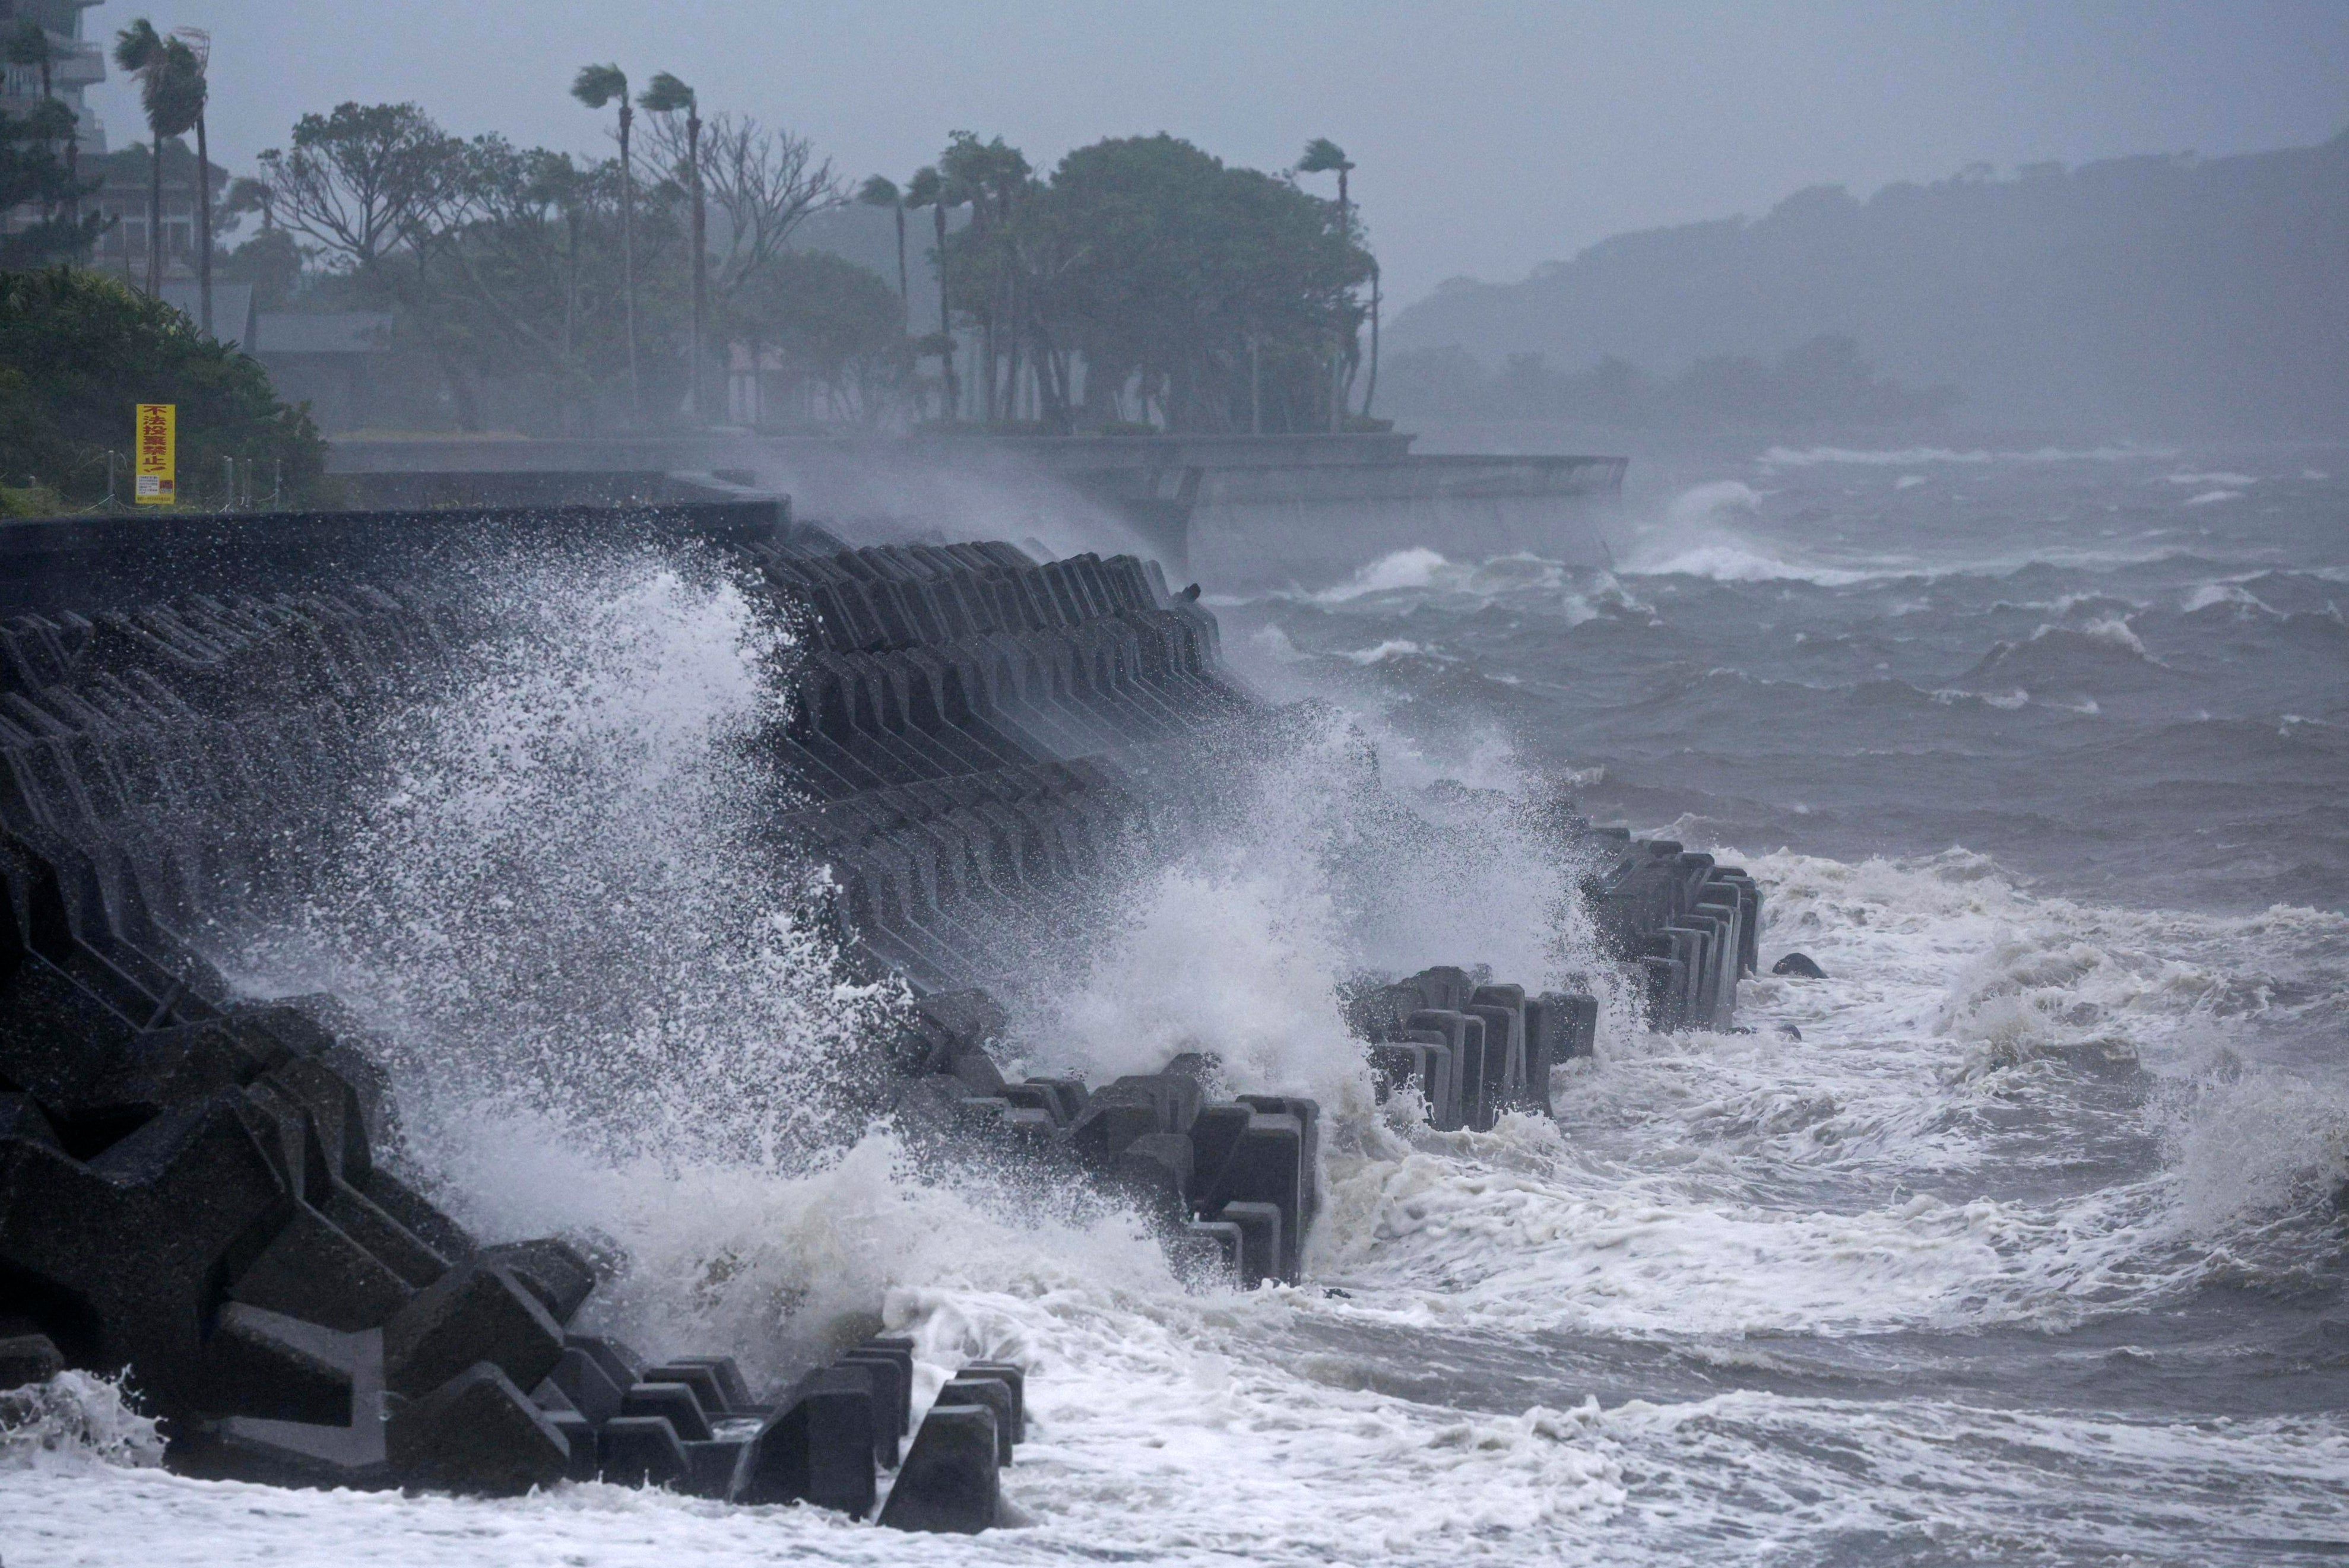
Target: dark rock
[818, 1447]
[477, 1433]
[976, 1071]
[1800, 965]
[1110, 1120]
[477, 1313]
[949, 1482]
[640, 1450]
[1788, 1031]
[674, 1402]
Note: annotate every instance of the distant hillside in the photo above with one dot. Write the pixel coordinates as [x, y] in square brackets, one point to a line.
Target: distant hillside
[2162, 294]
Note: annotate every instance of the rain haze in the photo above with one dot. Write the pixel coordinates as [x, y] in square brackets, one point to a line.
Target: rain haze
[1489, 137]
[1432, 786]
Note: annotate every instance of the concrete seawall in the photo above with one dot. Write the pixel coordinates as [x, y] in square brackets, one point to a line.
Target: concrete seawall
[1239, 509]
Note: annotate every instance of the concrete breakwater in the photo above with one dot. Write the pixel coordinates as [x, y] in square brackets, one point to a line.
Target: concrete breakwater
[1231, 509]
[212, 1191]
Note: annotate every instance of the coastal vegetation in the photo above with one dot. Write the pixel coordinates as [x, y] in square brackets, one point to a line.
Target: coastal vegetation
[78, 350]
[1140, 283]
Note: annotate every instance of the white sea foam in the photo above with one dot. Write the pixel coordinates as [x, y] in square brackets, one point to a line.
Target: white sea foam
[1697, 1194]
[2208, 594]
[1415, 567]
[1706, 532]
[2227, 480]
[1392, 648]
[1697, 1191]
[73, 1423]
[554, 895]
[2213, 497]
[1912, 456]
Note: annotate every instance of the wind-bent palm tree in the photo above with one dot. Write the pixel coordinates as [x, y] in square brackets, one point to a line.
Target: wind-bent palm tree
[596, 86]
[930, 189]
[171, 94]
[880, 191]
[200, 46]
[667, 95]
[1323, 156]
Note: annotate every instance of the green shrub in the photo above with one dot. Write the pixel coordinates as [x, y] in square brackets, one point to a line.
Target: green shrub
[79, 350]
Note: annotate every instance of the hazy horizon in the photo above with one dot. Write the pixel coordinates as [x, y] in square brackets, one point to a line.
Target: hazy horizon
[1489, 139]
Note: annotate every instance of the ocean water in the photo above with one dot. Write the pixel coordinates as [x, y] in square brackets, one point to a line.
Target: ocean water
[2027, 1250]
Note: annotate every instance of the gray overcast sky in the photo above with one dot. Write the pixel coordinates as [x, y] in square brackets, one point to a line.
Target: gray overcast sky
[1491, 136]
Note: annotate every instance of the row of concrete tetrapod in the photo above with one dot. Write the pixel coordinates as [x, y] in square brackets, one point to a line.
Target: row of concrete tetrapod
[1689, 924]
[190, 1192]
[934, 660]
[1470, 1050]
[1233, 1185]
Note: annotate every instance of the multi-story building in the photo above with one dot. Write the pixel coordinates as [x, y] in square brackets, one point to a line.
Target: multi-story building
[78, 66]
[122, 249]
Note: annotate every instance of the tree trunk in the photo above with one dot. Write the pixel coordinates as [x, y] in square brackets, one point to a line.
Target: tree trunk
[628, 263]
[204, 189]
[155, 221]
[1338, 361]
[571, 378]
[904, 297]
[1370, 393]
[700, 263]
[953, 409]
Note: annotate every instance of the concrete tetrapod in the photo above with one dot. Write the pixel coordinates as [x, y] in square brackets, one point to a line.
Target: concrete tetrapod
[949, 1482]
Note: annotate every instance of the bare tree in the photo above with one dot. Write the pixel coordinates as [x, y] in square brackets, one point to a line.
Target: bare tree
[764, 183]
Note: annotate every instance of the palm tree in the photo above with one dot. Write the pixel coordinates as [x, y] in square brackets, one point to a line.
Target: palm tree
[171, 94]
[880, 191]
[596, 86]
[929, 189]
[667, 95]
[199, 46]
[1321, 157]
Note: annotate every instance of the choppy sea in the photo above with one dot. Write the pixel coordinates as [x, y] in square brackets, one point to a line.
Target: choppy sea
[2029, 1250]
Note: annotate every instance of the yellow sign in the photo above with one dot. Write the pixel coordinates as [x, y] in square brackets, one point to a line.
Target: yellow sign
[157, 474]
